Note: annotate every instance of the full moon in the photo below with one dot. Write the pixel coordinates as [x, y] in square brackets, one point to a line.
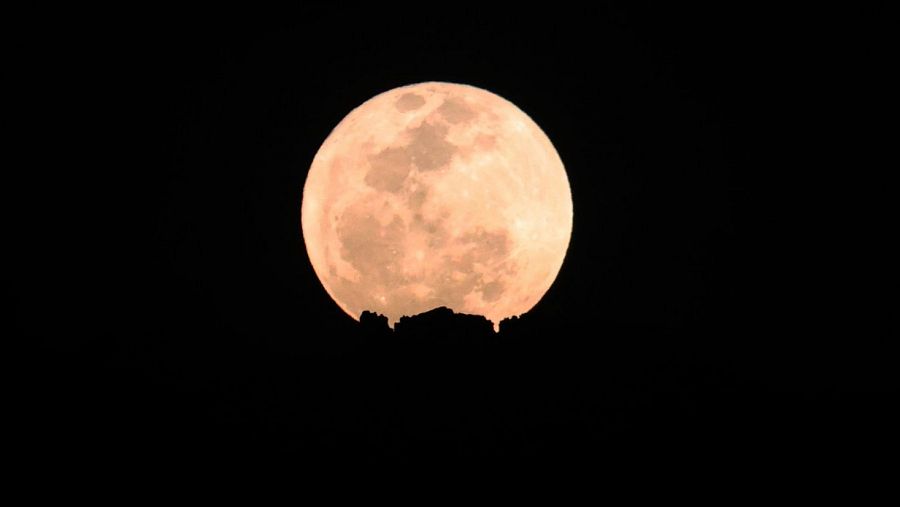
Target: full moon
[437, 194]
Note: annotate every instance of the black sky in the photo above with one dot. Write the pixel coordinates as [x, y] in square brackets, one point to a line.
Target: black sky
[162, 273]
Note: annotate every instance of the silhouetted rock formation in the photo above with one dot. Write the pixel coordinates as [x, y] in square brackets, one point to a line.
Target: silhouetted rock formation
[374, 325]
[438, 325]
[444, 323]
[511, 325]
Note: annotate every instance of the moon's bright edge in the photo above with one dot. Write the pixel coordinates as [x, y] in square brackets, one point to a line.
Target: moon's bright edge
[437, 194]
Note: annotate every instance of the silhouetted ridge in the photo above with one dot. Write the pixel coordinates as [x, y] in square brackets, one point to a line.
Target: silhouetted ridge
[511, 325]
[440, 323]
[443, 322]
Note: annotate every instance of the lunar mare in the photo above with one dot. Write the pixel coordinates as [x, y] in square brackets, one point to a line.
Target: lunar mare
[437, 194]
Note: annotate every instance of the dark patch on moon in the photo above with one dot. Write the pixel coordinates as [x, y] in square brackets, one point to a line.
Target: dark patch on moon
[409, 102]
[434, 230]
[492, 291]
[417, 198]
[389, 169]
[372, 248]
[455, 110]
[428, 149]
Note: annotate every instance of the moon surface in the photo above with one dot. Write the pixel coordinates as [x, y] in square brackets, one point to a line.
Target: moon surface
[437, 194]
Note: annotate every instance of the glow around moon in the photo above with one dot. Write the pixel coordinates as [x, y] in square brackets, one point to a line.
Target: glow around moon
[437, 194]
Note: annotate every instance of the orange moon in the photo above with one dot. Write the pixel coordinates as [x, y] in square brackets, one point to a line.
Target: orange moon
[437, 194]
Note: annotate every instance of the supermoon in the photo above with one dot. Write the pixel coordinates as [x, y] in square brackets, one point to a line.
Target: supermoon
[437, 194]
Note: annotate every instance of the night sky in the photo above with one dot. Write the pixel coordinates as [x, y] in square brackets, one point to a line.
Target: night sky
[709, 299]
